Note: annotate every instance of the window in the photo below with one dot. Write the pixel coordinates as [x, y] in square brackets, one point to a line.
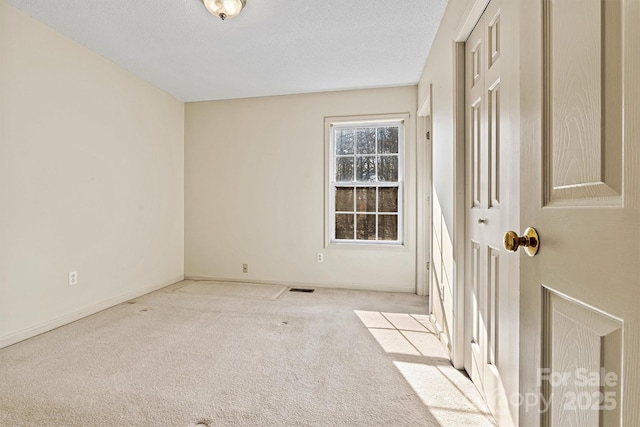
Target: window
[366, 182]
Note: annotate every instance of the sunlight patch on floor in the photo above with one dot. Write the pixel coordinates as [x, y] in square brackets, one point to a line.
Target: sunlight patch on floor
[448, 394]
[402, 333]
[392, 341]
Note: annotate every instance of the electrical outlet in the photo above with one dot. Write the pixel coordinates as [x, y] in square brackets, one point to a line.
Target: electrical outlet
[73, 278]
[245, 268]
[319, 257]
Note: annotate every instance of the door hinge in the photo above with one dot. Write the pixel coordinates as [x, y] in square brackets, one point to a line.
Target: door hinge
[428, 265]
[428, 135]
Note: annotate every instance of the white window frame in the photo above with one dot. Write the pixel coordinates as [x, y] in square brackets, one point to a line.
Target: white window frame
[331, 124]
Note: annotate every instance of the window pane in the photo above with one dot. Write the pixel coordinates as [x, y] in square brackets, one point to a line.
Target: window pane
[366, 140]
[344, 169]
[388, 227]
[366, 227]
[388, 199]
[366, 169]
[344, 227]
[366, 183]
[345, 141]
[344, 199]
[366, 199]
[388, 140]
[388, 169]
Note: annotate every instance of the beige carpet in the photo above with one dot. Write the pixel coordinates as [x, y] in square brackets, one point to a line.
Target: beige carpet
[206, 354]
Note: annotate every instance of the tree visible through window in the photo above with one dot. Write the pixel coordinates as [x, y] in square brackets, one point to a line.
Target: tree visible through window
[366, 181]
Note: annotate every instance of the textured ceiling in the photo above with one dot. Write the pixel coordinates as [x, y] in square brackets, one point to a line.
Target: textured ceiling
[273, 47]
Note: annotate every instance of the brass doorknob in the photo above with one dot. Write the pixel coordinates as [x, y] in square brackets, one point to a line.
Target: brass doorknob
[530, 241]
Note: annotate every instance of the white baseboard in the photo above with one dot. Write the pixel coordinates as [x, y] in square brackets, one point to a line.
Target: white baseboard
[84, 312]
[351, 286]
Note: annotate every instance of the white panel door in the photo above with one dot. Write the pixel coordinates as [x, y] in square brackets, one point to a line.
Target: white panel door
[486, 263]
[580, 188]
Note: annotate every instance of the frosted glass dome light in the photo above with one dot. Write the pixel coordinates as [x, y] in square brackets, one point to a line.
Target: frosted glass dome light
[224, 8]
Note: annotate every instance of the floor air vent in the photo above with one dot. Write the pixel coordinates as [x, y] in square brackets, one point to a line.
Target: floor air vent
[301, 290]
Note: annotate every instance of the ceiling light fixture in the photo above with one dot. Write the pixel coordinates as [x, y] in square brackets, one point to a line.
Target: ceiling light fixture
[224, 8]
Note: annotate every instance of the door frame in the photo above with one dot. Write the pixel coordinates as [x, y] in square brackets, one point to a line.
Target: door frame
[424, 227]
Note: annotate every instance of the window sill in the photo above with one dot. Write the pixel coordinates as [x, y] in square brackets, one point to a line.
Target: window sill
[366, 246]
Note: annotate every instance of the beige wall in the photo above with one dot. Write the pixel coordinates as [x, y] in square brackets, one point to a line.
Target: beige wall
[439, 73]
[91, 180]
[255, 182]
